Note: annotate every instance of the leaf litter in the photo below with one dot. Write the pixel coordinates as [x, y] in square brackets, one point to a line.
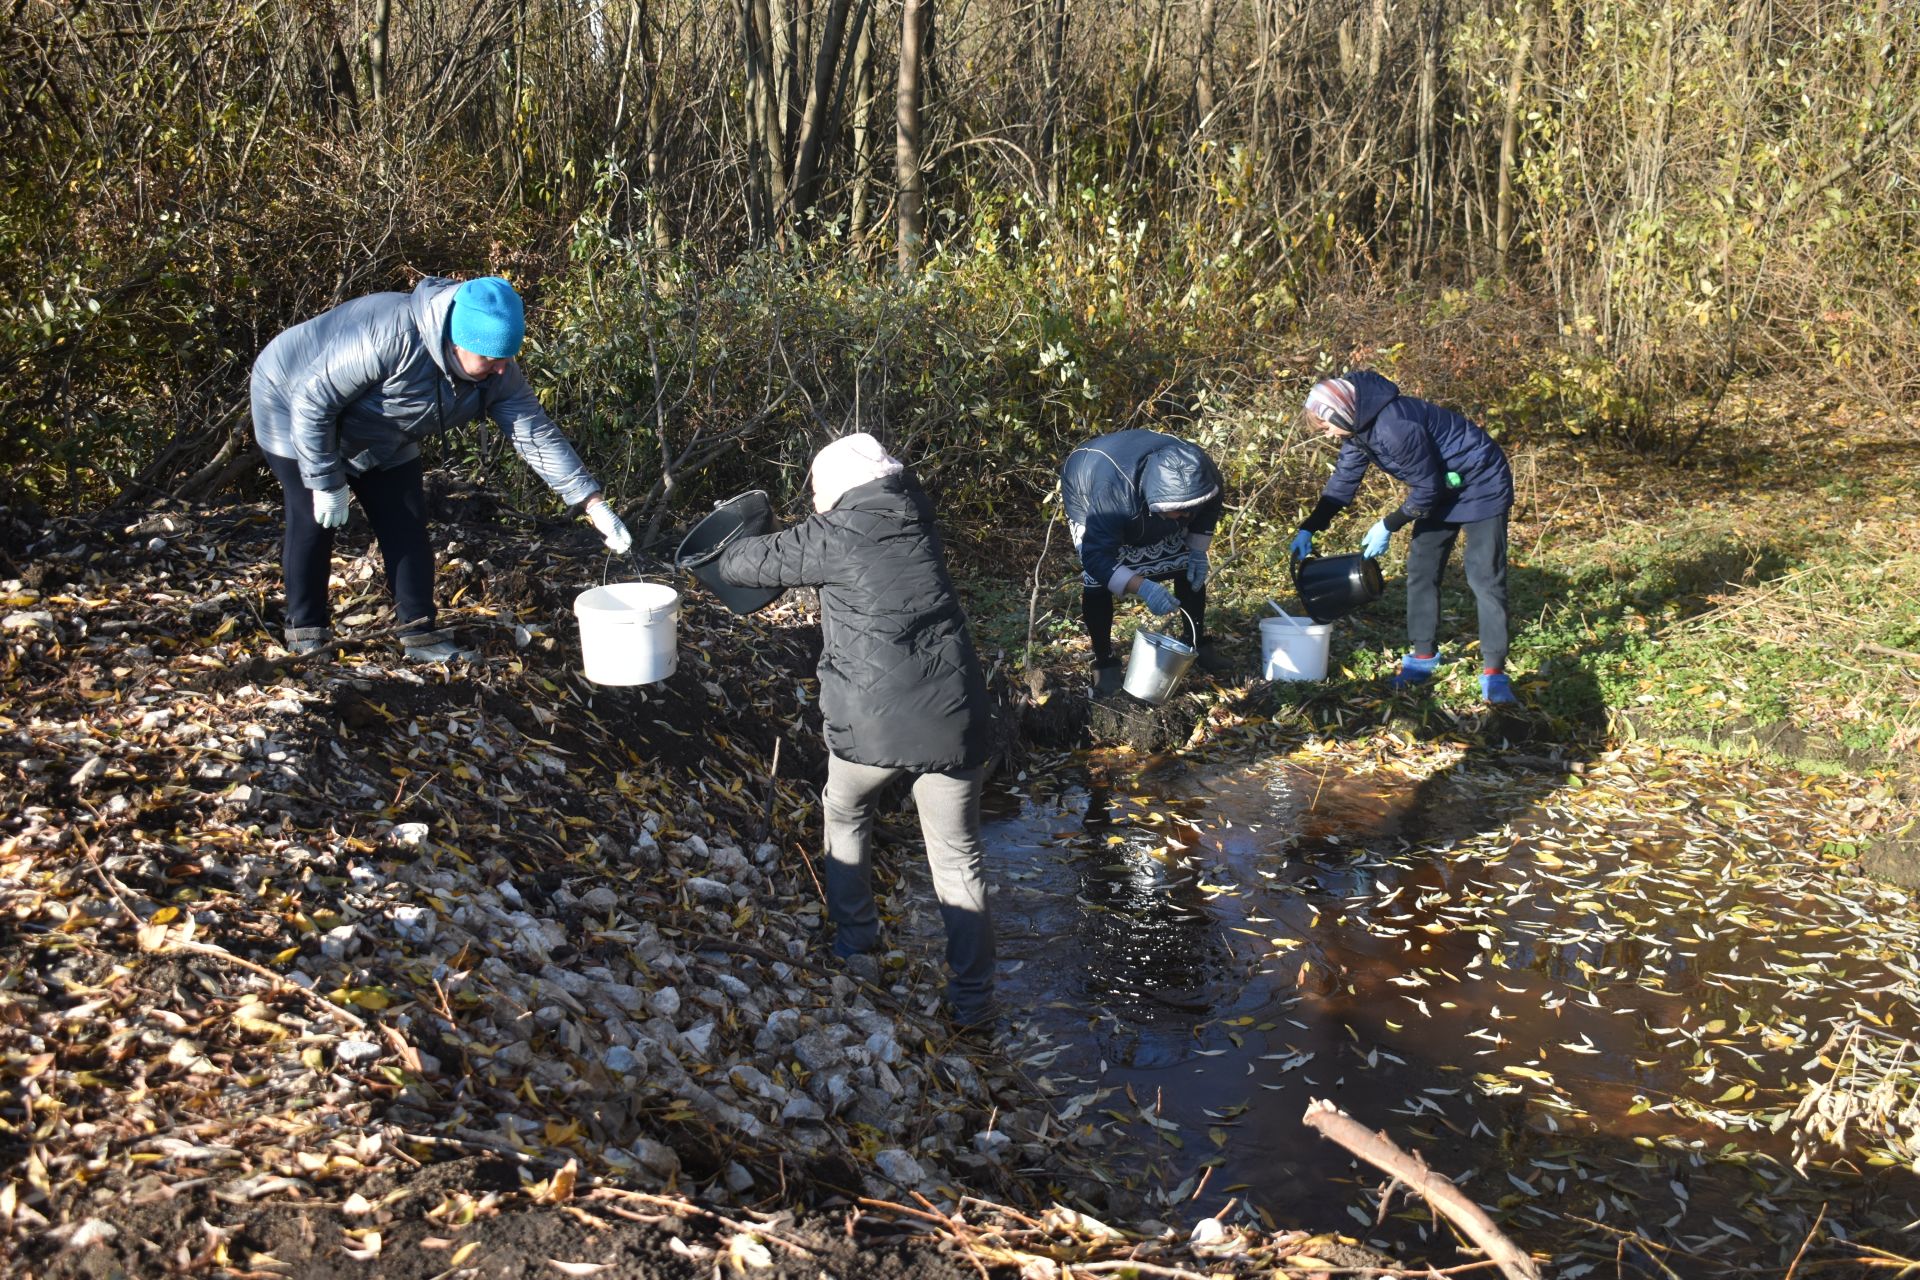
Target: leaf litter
[316, 964]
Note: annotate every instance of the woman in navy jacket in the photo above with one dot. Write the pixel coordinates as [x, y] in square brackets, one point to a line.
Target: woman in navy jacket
[1457, 481]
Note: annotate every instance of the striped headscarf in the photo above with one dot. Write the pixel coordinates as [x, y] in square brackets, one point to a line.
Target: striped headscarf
[1333, 400]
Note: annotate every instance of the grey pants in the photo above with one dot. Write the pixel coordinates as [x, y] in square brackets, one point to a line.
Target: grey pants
[949, 805]
[1486, 558]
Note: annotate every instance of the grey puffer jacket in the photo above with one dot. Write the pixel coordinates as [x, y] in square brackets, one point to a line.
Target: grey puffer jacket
[356, 389]
[900, 683]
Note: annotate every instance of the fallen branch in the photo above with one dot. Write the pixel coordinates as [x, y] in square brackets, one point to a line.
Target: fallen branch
[1867, 646]
[1337, 1126]
[161, 939]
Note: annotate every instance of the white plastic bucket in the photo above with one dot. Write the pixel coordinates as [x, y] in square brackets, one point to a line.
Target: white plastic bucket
[628, 632]
[1294, 648]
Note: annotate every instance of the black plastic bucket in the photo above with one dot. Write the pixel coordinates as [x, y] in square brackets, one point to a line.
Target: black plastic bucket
[1332, 587]
[746, 515]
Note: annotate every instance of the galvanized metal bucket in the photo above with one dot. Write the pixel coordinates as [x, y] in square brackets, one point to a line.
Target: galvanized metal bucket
[1156, 665]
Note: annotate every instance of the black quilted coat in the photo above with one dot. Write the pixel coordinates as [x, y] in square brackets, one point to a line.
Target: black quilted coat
[900, 683]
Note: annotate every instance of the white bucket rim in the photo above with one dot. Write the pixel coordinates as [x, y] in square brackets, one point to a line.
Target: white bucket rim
[611, 603]
[1295, 624]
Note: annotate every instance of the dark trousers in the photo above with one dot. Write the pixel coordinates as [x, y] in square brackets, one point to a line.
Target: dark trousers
[1096, 611]
[1486, 560]
[395, 501]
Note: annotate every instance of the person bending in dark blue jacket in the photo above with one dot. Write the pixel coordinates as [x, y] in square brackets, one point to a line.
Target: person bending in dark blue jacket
[1457, 481]
[1141, 507]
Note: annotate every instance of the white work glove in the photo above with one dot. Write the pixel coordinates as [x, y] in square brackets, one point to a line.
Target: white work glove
[1157, 597]
[330, 506]
[611, 527]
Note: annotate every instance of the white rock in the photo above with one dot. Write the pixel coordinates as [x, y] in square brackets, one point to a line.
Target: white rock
[623, 996]
[657, 1158]
[338, 944]
[700, 1039]
[600, 898]
[410, 835]
[737, 1178]
[1207, 1232]
[710, 890]
[899, 1167]
[414, 924]
[755, 1081]
[991, 1143]
[27, 621]
[801, 1109]
[818, 1051]
[665, 1002]
[622, 1061]
[351, 1053]
[883, 1047]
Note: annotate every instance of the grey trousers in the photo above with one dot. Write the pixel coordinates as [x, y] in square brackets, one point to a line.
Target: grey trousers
[1486, 558]
[949, 805]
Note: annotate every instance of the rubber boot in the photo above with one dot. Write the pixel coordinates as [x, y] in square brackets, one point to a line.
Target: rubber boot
[431, 646]
[1496, 690]
[304, 640]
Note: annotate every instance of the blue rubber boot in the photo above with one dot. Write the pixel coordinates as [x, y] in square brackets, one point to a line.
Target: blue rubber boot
[1414, 671]
[1496, 690]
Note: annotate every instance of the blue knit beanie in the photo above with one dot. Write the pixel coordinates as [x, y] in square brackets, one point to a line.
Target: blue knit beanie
[488, 318]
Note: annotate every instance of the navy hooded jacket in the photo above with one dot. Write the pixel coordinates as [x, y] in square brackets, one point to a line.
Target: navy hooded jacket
[1418, 444]
[1109, 485]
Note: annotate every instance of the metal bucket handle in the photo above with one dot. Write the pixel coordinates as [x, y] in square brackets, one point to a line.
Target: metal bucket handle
[1191, 630]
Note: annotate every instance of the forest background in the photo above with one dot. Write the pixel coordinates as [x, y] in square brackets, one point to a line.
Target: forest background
[991, 229]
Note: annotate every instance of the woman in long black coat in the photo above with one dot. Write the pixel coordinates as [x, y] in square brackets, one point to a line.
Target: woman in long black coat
[901, 692]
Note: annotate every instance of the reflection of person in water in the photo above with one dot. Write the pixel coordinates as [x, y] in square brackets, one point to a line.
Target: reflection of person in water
[1150, 941]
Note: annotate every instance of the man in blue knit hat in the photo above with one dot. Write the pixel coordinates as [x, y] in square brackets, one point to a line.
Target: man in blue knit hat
[340, 405]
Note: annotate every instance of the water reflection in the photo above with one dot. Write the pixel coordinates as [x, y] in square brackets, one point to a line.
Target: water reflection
[1553, 1016]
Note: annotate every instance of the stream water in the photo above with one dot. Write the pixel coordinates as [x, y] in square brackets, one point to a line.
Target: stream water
[1593, 1026]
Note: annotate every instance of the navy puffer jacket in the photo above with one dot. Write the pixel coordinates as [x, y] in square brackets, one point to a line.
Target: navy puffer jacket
[1418, 444]
[357, 388]
[1110, 484]
[900, 683]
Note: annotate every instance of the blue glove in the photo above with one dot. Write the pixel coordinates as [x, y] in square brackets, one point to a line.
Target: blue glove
[330, 507]
[1374, 545]
[1302, 545]
[1196, 569]
[1157, 597]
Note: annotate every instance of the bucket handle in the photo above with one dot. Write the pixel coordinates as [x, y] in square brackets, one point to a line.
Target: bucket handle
[1191, 629]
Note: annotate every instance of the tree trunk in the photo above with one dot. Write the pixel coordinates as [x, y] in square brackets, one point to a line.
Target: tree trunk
[862, 124]
[1510, 135]
[915, 17]
[813, 124]
[1053, 42]
[377, 51]
[753, 58]
[1203, 89]
[656, 143]
[772, 134]
[1427, 163]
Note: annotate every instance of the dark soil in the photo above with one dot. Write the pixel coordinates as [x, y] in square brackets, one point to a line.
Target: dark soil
[628, 1239]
